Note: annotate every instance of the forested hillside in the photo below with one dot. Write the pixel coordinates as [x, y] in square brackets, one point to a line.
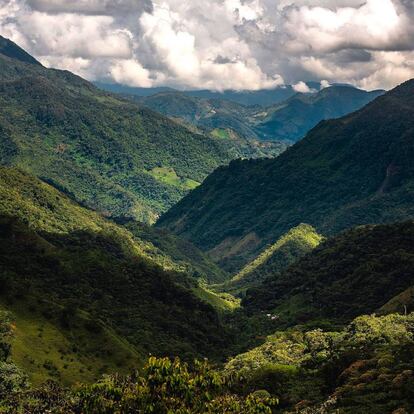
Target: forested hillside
[354, 273]
[71, 265]
[354, 170]
[281, 285]
[110, 154]
[275, 258]
[366, 367]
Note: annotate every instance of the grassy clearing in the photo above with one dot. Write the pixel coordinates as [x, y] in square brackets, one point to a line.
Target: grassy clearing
[303, 235]
[71, 351]
[168, 176]
[220, 133]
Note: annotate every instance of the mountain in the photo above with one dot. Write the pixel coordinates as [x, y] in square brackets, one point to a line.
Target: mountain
[286, 121]
[11, 50]
[208, 113]
[108, 153]
[292, 119]
[349, 171]
[221, 119]
[354, 273]
[275, 258]
[66, 265]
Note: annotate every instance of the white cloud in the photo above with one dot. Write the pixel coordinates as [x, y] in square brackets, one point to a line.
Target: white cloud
[324, 84]
[240, 44]
[189, 52]
[130, 72]
[301, 87]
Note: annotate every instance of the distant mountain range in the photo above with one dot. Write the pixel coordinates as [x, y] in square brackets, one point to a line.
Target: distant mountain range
[263, 97]
[292, 119]
[354, 170]
[287, 121]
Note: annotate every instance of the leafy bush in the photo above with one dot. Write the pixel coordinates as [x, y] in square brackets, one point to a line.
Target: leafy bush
[163, 386]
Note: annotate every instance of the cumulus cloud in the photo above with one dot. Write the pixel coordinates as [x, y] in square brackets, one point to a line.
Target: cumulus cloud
[324, 84]
[302, 87]
[222, 44]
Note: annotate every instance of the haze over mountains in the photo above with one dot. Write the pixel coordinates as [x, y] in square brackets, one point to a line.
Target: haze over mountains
[269, 266]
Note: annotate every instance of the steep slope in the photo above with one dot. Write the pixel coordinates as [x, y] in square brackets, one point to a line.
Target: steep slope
[291, 120]
[102, 150]
[354, 273]
[275, 258]
[181, 254]
[11, 50]
[63, 344]
[345, 172]
[62, 255]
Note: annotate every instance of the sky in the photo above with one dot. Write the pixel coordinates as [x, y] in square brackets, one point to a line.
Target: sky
[219, 44]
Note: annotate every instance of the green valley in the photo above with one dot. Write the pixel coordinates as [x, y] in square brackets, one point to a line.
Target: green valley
[286, 121]
[52, 248]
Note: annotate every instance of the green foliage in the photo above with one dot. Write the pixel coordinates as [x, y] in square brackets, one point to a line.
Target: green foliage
[345, 172]
[365, 368]
[169, 176]
[351, 274]
[45, 209]
[163, 386]
[12, 379]
[175, 253]
[220, 301]
[64, 344]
